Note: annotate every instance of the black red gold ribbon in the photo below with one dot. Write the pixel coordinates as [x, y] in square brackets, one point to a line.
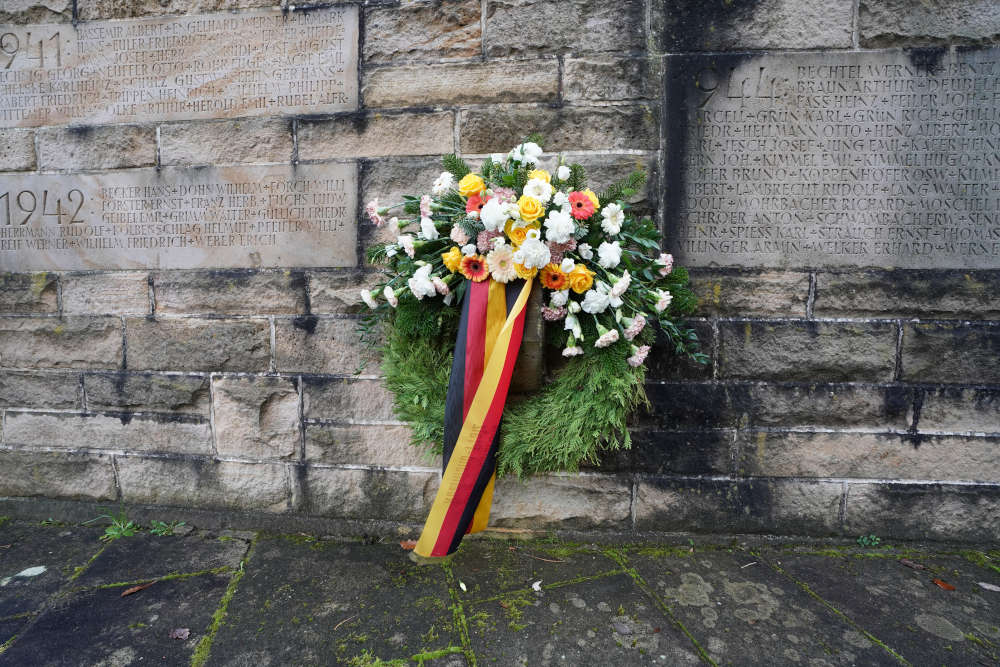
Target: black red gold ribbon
[486, 348]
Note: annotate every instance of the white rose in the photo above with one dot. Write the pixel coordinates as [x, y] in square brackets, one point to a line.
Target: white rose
[609, 254]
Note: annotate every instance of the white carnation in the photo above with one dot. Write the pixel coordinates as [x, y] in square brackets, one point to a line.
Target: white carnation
[559, 299]
[585, 251]
[559, 227]
[613, 219]
[567, 265]
[493, 215]
[560, 198]
[443, 183]
[528, 152]
[562, 173]
[595, 302]
[469, 250]
[427, 229]
[539, 189]
[609, 254]
[533, 254]
[420, 284]
[369, 300]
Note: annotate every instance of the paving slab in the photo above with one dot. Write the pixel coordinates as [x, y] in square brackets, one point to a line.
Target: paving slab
[903, 608]
[36, 561]
[322, 602]
[100, 627]
[10, 627]
[744, 613]
[146, 556]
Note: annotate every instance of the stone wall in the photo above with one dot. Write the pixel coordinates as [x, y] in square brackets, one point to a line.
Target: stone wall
[838, 401]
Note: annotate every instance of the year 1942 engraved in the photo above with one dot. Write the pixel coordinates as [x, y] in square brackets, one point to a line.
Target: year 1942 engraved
[18, 208]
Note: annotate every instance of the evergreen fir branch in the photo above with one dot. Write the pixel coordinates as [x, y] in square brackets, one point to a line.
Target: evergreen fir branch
[535, 138]
[456, 166]
[376, 254]
[577, 177]
[624, 188]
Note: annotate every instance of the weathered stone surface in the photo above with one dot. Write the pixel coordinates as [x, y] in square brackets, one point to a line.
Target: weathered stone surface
[204, 483]
[227, 141]
[873, 456]
[147, 392]
[231, 292]
[365, 445]
[29, 293]
[346, 399]
[369, 494]
[807, 351]
[960, 409]
[887, 407]
[683, 405]
[684, 452]
[568, 129]
[39, 390]
[576, 501]
[909, 293]
[924, 511]
[377, 135]
[388, 180]
[889, 23]
[796, 507]
[198, 344]
[747, 292]
[338, 293]
[256, 418]
[105, 293]
[36, 11]
[967, 353]
[612, 78]
[663, 364]
[462, 83]
[122, 9]
[57, 475]
[180, 434]
[311, 344]
[97, 147]
[260, 216]
[17, 149]
[423, 30]
[520, 27]
[691, 25]
[65, 342]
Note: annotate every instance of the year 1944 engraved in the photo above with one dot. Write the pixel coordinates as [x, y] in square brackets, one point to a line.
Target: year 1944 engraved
[21, 207]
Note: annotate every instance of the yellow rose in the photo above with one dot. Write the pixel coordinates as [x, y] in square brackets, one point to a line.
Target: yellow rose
[531, 209]
[581, 279]
[452, 258]
[540, 173]
[590, 194]
[523, 272]
[518, 234]
[471, 184]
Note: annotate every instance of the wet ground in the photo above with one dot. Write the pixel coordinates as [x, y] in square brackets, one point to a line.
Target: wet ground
[255, 599]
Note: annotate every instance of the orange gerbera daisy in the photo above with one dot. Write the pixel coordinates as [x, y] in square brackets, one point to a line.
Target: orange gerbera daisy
[474, 268]
[553, 277]
[582, 205]
[475, 203]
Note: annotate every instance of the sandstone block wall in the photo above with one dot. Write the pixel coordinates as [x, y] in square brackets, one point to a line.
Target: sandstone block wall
[837, 401]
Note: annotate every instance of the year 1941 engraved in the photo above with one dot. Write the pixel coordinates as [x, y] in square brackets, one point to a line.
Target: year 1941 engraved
[48, 53]
[26, 206]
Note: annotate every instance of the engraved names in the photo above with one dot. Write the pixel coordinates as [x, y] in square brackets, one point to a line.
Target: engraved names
[188, 67]
[180, 218]
[887, 159]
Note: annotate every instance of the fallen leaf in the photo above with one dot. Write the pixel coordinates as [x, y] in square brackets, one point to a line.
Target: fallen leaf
[944, 584]
[344, 621]
[547, 560]
[504, 604]
[990, 587]
[912, 564]
[537, 586]
[656, 630]
[180, 633]
[409, 545]
[136, 589]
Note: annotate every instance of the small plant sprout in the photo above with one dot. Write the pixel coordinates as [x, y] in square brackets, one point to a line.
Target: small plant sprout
[162, 528]
[120, 525]
[869, 541]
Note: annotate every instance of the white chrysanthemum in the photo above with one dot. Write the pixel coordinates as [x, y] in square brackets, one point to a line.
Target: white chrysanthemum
[539, 189]
[595, 302]
[560, 199]
[567, 265]
[609, 254]
[369, 300]
[427, 229]
[585, 251]
[528, 152]
[533, 254]
[559, 227]
[469, 250]
[405, 242]
[559, 298]
[501, 263]
[562, 173]
[613, 219]
[420, 284]
[493, 215]
[443, 183]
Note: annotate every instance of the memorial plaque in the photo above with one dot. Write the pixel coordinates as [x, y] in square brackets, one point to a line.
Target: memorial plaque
[185, 67]
[180, 218]
[872, 158]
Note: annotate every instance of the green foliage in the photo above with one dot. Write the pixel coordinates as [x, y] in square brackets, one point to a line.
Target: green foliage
[583, 411]
[162, 528]
[120, 525]
[376, 254]
[456, 166]
[577, 177]
[623, 189]
[869, 541]
[535, 138]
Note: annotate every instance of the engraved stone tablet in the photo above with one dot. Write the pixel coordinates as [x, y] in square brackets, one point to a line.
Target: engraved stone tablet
[879, 158]
[180, 218]
[204, 66]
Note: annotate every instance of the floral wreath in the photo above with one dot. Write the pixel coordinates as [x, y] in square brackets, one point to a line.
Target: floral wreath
[608, 292]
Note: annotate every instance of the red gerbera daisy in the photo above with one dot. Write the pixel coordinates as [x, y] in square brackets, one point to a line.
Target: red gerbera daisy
[582, 205]
[474, 268]
[475, 203]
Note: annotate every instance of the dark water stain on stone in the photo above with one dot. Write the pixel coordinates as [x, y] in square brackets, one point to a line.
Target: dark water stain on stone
[927, 60]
